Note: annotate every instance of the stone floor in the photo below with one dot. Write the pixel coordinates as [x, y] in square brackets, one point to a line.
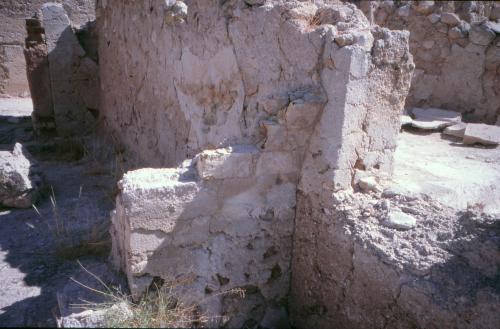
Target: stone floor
[16, 107]
[449, 171]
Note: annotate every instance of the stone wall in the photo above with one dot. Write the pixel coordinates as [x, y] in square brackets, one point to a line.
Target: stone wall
[264, 98]
[13, 13]
[228, 224]
[456, 47]
[62, 72]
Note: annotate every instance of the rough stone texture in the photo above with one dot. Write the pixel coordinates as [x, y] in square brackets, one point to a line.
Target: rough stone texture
[74, 77]
[456, 52]
[13, 80]
[441, 273]
[20, 179]
[37, 65]
[214, 234]
[361, 274]
[264, 98]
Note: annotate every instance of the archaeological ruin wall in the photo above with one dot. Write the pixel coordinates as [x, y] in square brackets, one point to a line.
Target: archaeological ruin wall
[267, 101]
[62, 65]
[456, 49]
[13, 13]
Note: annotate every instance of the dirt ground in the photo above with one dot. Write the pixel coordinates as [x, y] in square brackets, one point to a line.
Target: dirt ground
[39, 250]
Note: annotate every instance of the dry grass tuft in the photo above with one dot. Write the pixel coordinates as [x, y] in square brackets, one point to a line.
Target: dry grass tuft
[90, 239]
[160, 307]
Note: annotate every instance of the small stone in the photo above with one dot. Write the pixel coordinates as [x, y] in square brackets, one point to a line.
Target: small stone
[442, 28]
[434, 18]
[451, 19]
[424, 7]
[176, 12]
[369, 183]
[398, 191]
[399, 220]
[481, 133]
[255, 2]
[481, 35]
[404, 11]
[364, 39]
[455, 33]
[457, 130]
[345, 39]
[428, 44]
[180, 9]
[494, 26]
[20, 180]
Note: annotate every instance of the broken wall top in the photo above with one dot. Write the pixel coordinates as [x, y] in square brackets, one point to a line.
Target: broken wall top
[456, 47]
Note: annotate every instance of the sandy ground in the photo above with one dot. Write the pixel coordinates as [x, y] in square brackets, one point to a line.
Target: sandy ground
[448, 171]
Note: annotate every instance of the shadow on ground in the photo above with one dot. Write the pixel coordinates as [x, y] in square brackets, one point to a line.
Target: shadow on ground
[36, 259]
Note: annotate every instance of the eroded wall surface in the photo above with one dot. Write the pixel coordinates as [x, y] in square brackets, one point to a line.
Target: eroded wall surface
[456, 48]
[263, 98]
[13, 13]
[62, 71]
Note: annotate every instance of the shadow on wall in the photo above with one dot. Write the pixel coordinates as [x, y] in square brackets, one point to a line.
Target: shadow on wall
[216, 235]
[62, 73]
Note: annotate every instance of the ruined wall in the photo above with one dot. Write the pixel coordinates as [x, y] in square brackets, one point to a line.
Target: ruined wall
[62, 71]
[456, 48]
[261, 97]
[13, 13]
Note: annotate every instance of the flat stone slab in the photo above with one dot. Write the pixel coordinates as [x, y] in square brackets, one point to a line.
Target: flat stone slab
[457, 130]
[482, 133]
[436, 114]
[406, 120]
[433, 118]
[430, 125]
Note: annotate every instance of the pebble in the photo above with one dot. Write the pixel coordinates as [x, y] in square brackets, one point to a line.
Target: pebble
[399, 220]
[369, 183]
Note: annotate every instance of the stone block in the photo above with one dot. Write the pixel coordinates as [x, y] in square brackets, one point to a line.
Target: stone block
[482, 134]
[272, 163]
[481, 35]
[66, 65]
[232, 162]
[450, 18]
[159, 199]
[20, 178]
